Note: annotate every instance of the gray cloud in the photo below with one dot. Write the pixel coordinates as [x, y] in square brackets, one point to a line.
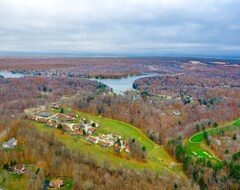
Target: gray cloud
[148, 27]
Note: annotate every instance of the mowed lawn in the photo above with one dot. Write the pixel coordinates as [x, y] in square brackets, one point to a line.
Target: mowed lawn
[14, 181]
[195, 144]
[158, 159]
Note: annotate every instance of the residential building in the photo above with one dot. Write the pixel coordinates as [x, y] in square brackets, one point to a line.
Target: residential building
[104, 144]
[56, 183]
[92, 139]
[92, 130]
[19, 168]
[10, 144]
[77, 133]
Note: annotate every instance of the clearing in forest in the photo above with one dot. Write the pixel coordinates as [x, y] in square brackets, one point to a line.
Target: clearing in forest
[158, 159]
[197, 147]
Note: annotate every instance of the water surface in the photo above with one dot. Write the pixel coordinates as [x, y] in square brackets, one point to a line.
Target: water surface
[9, 74]
[123, 84]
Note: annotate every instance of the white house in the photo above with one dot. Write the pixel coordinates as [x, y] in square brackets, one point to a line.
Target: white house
[10, 144]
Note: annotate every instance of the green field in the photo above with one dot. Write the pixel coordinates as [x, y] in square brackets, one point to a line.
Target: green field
[195, 144]
[14, 181]
[11, 181]
[158, 159]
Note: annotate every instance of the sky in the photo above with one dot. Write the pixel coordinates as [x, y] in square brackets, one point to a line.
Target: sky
[121, 27]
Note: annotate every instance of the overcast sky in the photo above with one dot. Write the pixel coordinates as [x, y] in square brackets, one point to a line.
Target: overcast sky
[121, 27]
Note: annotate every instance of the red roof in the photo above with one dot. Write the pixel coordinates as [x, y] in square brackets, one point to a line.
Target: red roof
[19, 166]
[92, 129]
[56, 183]
[91, 138]
[104, 143]
[77, 132]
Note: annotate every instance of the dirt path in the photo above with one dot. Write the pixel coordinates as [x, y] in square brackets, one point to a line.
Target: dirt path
[4, 133]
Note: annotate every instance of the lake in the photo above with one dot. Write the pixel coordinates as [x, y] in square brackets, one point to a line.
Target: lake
[9, 74]
[123, 84]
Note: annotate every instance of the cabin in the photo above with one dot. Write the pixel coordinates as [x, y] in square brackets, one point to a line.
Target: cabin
[19, 168]
[10, 144]
[56, 183]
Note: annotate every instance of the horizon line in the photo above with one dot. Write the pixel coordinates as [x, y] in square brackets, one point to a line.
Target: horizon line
[111, 55]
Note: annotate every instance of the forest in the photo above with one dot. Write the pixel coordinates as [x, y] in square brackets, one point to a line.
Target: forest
[184, 98]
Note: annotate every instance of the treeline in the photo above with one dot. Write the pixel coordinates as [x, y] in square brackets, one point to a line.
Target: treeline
[209, 175]
[194, 85]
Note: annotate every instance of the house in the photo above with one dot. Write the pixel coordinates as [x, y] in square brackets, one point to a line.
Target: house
[92, 139]
[117, 148]
[105, 144]
[92, 130]
[84, 120]
[218, 142]
[19, 168]
[73, 115]
[76, 127]
[58, 115]
[77, 133]
[65, 127]
[32, 117]
[51, 124]
[127, 149]
[56, 183]
[55, 106]
[117, 137]
[66, 118]
[42, 120]
[45, 114]
[10, 144]
[101, 135]
[177, 113]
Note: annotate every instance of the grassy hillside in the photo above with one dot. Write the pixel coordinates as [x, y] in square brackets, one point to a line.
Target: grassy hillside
[158, 160]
